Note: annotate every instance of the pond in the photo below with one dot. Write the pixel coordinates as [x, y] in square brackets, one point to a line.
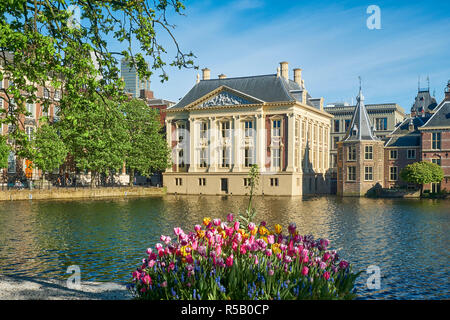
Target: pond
[408, 239]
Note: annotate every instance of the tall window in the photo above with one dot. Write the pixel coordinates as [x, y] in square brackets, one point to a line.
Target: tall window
[225, 128]
[351, 153]
[276, 158]
[181, 158]
[203, 130]
[351, 173]
[393, 174]
[248, 157]
[276, 128]
[31, 110]
[347, 124]
[336, 126]
[436, 140]
[248, 125]
[335, 141]
[297, 130]
[46, 93]
[303, 130]
[29, 130]
[57, 94]
[368, 154]
[381, 123]
[11, 163]
[368, 173]
[393, 154]
[411, 153]
[181, 132]
[203, 157]
[225, 157]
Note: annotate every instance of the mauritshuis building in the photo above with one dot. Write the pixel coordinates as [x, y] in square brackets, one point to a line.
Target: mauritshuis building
[223, 126]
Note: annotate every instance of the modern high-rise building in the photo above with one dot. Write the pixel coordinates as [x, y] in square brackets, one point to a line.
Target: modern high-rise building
[133, 84]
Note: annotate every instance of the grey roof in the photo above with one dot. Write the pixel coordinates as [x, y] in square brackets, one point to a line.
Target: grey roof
[267, 88]
[441, 118]
[424, 102]
[360, 127]
[403, 127]
[410, 140]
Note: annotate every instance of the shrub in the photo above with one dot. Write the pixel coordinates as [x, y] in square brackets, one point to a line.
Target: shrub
[224, 260]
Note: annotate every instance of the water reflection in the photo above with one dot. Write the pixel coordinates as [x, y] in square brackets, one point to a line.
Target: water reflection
[407, 239]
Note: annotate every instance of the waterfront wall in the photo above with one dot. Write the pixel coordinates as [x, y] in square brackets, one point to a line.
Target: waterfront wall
[79, 193]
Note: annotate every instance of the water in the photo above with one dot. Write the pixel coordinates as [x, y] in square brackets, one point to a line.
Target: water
[407, 239]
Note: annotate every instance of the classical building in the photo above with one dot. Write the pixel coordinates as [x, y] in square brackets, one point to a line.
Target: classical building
[360, 155]
[223, 126]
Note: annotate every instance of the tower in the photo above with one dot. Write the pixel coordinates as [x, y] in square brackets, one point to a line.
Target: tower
[360, 164]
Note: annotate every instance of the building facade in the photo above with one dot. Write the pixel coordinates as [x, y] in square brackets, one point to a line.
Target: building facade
[360, 155]
[223, 126]
[133, 83]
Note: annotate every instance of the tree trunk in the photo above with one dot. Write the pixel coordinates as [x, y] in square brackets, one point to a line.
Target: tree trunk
[131, 177]
[93, 176]
[421, 190]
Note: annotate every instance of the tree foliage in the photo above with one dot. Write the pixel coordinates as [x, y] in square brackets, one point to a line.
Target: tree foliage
[42, 45]
[148, 149]
[48, 150]
[422, 172]
[4, 152]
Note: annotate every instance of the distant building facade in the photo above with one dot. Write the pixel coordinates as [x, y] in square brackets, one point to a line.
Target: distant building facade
[423, 136]
[133, 83]
[223, 126]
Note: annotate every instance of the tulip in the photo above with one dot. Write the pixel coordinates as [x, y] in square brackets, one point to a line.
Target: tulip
[326, 256]
[236, 226]
[164, 284]
[178, 231]
[343, 264]
[206, 221]
[147, 279]
[251, 226]
[268, 252]
[229, 261]
[230, 217]
[149, 251]
[216, 222]
[278, 228]
[326, 275]
[197, 228]
[158, 246]
[292, 227]
[305, 271]
[271, 239]
[322, 265]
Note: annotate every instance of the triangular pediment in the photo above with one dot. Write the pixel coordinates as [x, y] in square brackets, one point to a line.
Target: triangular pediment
[223, 96]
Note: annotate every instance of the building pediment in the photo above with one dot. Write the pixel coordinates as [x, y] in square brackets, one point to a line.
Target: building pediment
[223, 97]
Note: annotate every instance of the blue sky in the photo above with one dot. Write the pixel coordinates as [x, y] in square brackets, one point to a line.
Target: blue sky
[330, 41]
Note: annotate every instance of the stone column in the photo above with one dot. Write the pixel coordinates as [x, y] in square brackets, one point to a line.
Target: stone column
[212, 144]
[261, 142]
[236, 144]
[169, 142]
[291, 143]
[193, 142]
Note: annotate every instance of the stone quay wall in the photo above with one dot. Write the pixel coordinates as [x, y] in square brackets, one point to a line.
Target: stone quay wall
[79, 193]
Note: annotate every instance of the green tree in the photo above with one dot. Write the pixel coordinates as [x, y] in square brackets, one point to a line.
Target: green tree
[253, 181]
[48, 150]
[4, 152]
[421, 173]
[148, 149]
[41, 44]
[96, 136]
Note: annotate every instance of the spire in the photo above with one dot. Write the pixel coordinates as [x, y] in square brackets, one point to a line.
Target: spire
[360, 127]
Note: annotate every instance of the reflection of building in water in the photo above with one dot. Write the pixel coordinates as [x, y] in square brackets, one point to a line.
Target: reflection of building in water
[223, 126]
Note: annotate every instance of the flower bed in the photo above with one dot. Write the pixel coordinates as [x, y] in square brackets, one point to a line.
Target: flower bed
[223, 260]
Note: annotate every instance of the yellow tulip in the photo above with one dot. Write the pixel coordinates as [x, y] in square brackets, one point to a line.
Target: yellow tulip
[206, 221]
[278, 228]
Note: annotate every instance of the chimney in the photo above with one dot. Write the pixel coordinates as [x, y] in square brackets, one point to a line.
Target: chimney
[447, 92]
[222, 76]
[284, 69]
[206, 74]
[298, 76]
[278, 72]
[411, 125]
[198, 78]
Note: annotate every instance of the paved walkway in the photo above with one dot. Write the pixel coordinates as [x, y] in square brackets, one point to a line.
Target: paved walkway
[23, 288]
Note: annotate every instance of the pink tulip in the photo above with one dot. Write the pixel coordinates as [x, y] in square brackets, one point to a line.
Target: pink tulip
[218, 250]
[147, 279]
[230, 217]
[197, 227]
[189, 259]
[326, 275]
[149, 251]
[164, 284]
[216, 222]
[271, 272]
[305, 271]
[234, 245]
[343, 264]
[236, 226]
[271, 239]
[322, 265]
[268, 252]
[243, 250]
[251, 226]
[158, 246]
[177, 231]
[326, 256]
[256, 260]
[229, 261]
